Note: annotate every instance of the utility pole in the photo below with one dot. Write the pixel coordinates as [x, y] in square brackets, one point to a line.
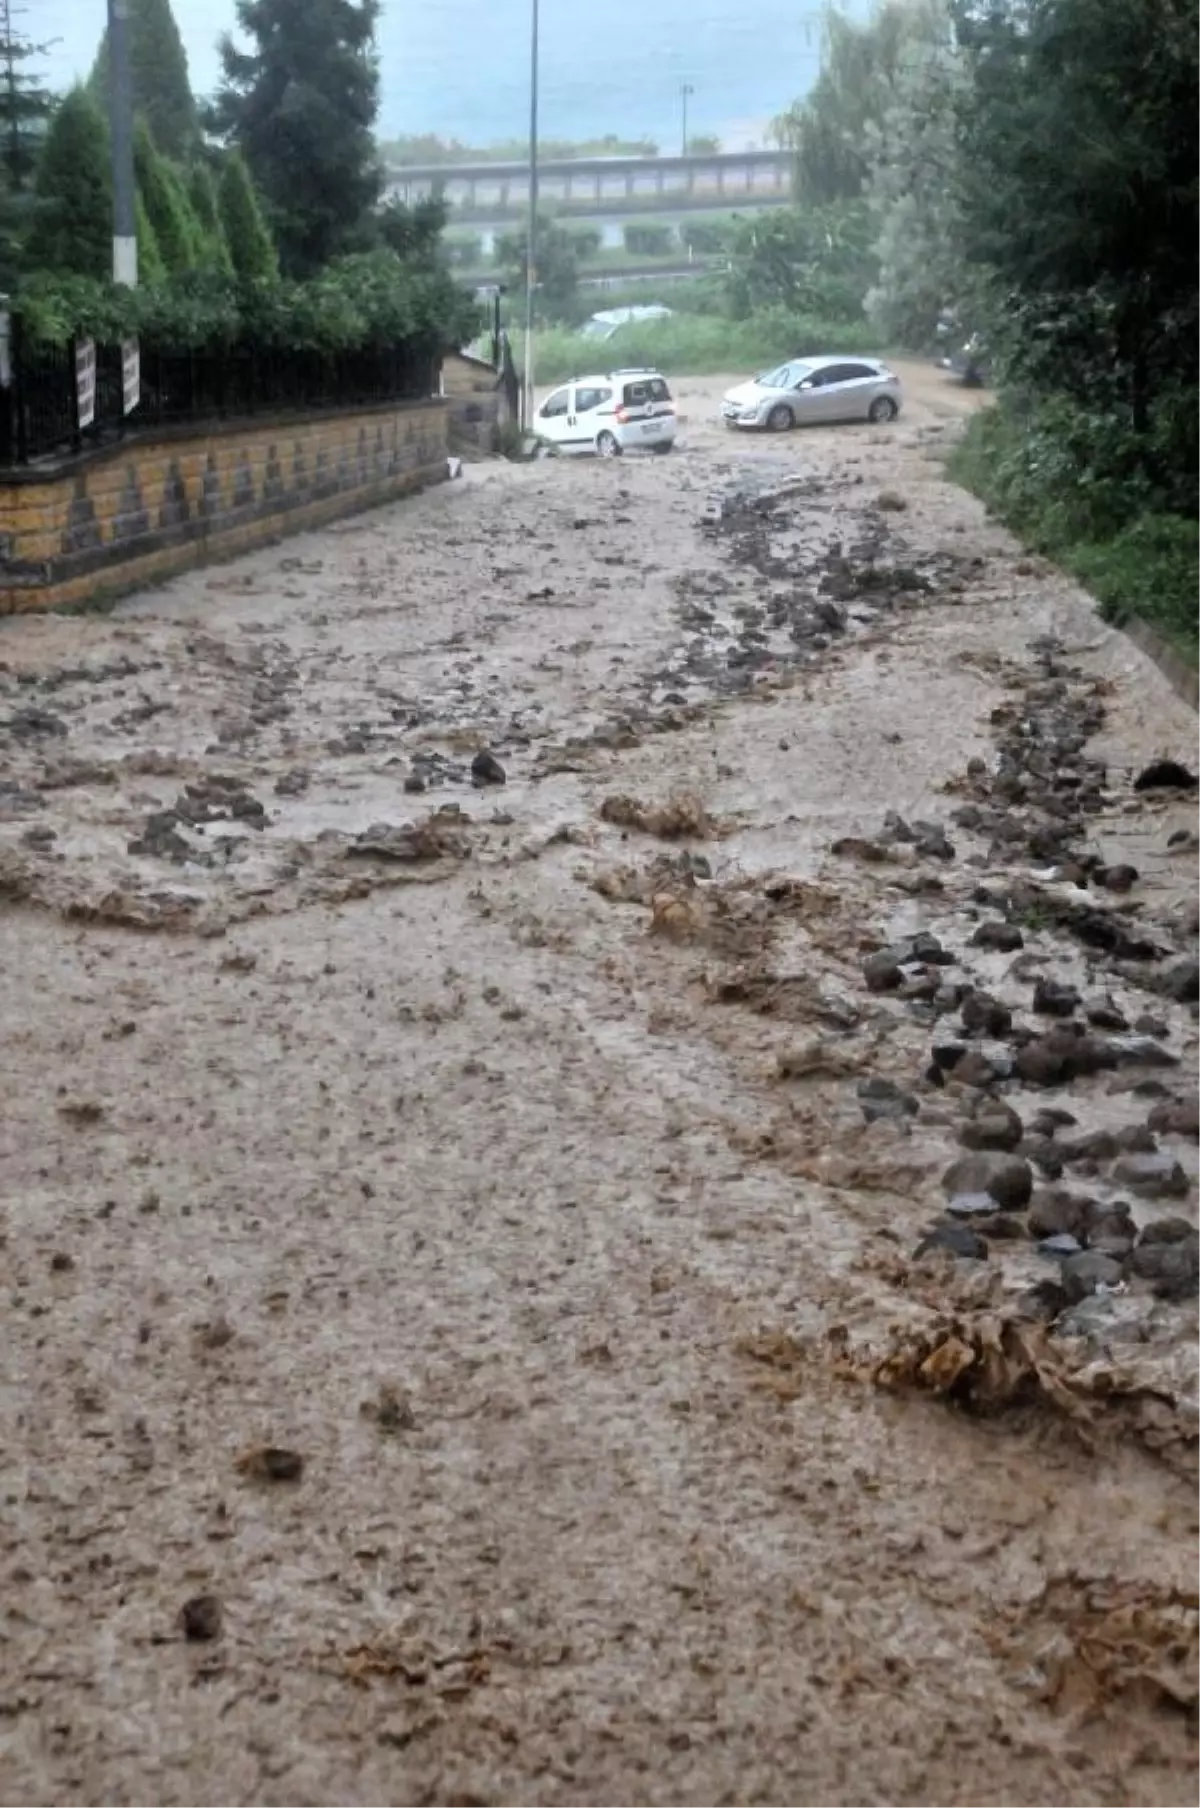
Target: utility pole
[120, 114]
[531, 246]
[685, 91]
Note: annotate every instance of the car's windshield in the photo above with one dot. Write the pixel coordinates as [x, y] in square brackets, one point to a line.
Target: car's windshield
[784, 376]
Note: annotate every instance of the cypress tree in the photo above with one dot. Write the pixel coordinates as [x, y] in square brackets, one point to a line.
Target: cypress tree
[202, 193]
[168, 209]
[72, 227]
[159, 77]
[251, 250]
[151, 269]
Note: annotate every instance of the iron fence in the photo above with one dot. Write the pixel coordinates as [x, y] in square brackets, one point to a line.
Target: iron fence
[39, 401]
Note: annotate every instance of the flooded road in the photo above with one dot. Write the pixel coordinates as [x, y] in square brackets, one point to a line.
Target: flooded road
[465, 1340]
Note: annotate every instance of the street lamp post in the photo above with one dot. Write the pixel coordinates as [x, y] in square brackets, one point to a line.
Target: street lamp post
[685, 91]
[530, 248]
[120, 110]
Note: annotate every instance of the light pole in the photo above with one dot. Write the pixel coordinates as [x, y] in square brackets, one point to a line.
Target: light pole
[685, 91]
[531, 244]
[120, 112]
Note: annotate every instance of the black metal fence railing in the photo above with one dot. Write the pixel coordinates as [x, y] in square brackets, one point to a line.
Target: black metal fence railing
[40, 405]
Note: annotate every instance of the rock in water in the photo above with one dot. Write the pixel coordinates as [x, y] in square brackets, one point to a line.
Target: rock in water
[1081, 1275]
[487, 770]
[201, 1618]
[958, 1239]
[1007, 1178]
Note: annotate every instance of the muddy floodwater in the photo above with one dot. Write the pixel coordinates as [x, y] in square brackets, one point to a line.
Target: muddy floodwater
[465, 1338]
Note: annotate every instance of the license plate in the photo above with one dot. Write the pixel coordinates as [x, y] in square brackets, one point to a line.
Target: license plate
[650, 427]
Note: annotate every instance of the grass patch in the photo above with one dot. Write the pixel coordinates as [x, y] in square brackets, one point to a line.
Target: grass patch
[1055, 478]
[696, 345]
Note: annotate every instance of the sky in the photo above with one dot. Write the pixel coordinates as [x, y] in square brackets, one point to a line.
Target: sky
[606, 65]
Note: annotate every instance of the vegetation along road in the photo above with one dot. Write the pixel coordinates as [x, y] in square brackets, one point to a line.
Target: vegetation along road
[669, 1278]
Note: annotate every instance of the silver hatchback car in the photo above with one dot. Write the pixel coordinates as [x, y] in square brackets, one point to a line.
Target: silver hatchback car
[808, 390]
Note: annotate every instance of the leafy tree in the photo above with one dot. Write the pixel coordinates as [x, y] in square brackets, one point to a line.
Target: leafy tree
[806, 261]
[247, 236]
[648, 240]
[202, 194]
[556, 266]
[413, 233]
[913, 186]
[704, 144]
[300, 106]
[25, 110]
[158, 75]
[587, 241]
[829, 130]
[176, 230]
[1079, 177]
[72, 231]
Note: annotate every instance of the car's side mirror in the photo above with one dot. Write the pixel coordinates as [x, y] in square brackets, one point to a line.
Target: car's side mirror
[806, 383]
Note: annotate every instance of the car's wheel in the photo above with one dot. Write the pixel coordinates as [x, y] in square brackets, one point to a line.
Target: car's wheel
[781, 419]
[608, 445]
[663, 445]
[882, 409]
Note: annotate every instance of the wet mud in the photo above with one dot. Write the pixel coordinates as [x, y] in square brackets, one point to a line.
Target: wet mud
[599, 1157]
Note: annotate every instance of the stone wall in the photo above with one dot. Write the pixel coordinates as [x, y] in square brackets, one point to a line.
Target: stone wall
[126, 515]
[478, 405]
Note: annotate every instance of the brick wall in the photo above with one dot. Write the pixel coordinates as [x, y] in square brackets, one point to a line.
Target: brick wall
[115, 519]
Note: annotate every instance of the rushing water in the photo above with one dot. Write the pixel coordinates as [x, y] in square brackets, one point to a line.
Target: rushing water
[461, 67]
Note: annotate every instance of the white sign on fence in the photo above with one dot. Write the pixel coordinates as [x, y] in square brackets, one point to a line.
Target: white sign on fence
[85, 380]
[131, 375]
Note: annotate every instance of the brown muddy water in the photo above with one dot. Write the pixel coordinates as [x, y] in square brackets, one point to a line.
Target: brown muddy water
[463, 1342]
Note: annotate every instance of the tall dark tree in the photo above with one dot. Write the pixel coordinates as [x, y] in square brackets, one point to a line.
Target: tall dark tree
[72, 230]
[300, 105]
[25, 110]
[1079, 162]
[158, 69]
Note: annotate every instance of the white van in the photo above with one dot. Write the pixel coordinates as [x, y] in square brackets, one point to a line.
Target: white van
[607, 415]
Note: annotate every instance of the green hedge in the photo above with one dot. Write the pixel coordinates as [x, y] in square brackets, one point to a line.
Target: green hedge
[371, 299]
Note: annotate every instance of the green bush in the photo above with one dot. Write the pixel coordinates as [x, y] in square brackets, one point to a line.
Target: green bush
[645, 240]
[696, 344]
[1081, 487]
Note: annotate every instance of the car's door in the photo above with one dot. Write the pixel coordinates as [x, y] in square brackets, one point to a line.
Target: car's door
[810, 397]
[849, 389]
[591, 412]
[553, 415]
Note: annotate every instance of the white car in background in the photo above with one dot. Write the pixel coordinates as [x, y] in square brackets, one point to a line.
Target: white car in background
[611, 320]
[607, 415]
[808, 390]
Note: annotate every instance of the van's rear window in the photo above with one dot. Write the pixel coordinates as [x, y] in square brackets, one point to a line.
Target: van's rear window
[647, 389]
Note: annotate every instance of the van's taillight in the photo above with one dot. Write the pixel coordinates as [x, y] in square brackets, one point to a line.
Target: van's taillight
[622, 414]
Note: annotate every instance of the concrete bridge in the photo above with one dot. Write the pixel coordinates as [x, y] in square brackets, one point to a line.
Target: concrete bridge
[479, 192]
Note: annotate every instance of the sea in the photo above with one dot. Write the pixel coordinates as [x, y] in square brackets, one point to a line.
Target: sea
[461, 68]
